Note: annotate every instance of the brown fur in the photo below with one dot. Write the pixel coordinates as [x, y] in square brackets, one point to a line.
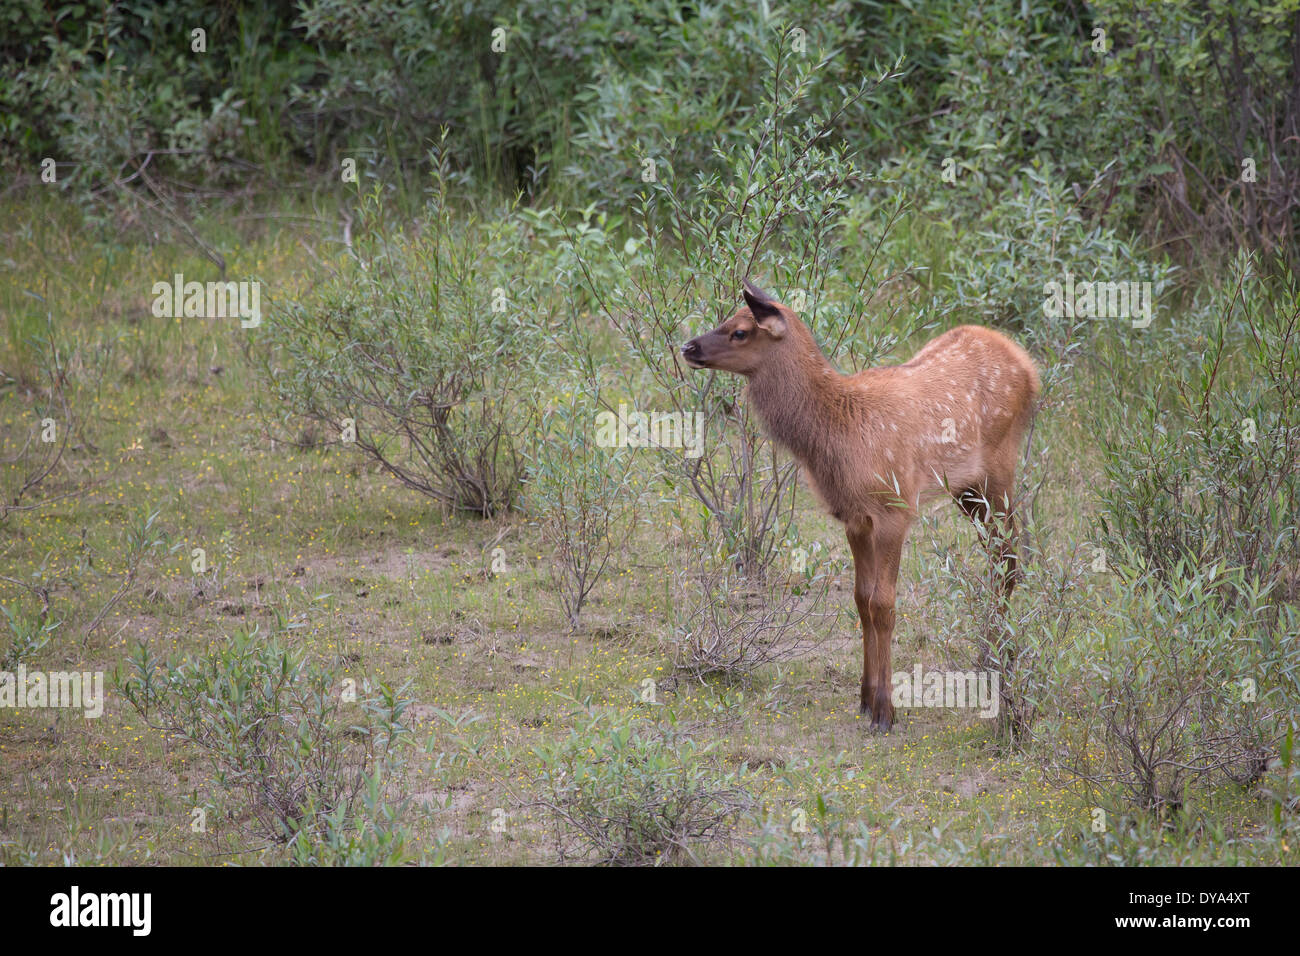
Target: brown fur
[876, 445]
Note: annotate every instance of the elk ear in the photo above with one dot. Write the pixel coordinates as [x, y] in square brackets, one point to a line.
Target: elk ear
[765, 310]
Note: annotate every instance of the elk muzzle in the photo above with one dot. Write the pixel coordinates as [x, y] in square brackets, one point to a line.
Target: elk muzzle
[693, 353]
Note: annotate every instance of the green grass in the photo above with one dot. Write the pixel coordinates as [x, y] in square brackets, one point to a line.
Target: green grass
[388, 587]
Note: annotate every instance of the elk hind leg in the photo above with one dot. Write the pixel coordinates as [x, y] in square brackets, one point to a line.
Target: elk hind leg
[991, 508]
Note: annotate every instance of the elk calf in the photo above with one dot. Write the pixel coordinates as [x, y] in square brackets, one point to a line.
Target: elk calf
[876, 445]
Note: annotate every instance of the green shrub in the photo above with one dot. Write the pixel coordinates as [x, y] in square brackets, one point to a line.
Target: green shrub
[33, 447]
[1204, 465]
[278, 735]
[625, 790]
[28, 634]
[727, 625]
[427, 344]
[1217, 90]
[1180, 683]
[582, 497]
[115, 94]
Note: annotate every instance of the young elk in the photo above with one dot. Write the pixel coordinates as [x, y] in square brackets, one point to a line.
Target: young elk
[876, 445]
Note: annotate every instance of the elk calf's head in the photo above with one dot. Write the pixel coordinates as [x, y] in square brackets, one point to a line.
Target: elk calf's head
[743, 342]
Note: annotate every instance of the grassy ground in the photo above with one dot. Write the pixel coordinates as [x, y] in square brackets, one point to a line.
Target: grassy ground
[389, 588]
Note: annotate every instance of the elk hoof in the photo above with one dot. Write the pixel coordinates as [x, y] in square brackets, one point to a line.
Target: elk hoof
[882, 714]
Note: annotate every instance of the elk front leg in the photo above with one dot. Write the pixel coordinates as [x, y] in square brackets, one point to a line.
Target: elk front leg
[877, 548]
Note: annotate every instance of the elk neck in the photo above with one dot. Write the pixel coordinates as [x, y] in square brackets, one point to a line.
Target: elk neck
[806, 404]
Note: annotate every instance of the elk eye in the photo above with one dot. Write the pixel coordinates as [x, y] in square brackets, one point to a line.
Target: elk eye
[739, 335]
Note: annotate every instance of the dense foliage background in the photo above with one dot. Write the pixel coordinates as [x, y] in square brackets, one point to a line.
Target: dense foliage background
[370, 590]
[1161, 102]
